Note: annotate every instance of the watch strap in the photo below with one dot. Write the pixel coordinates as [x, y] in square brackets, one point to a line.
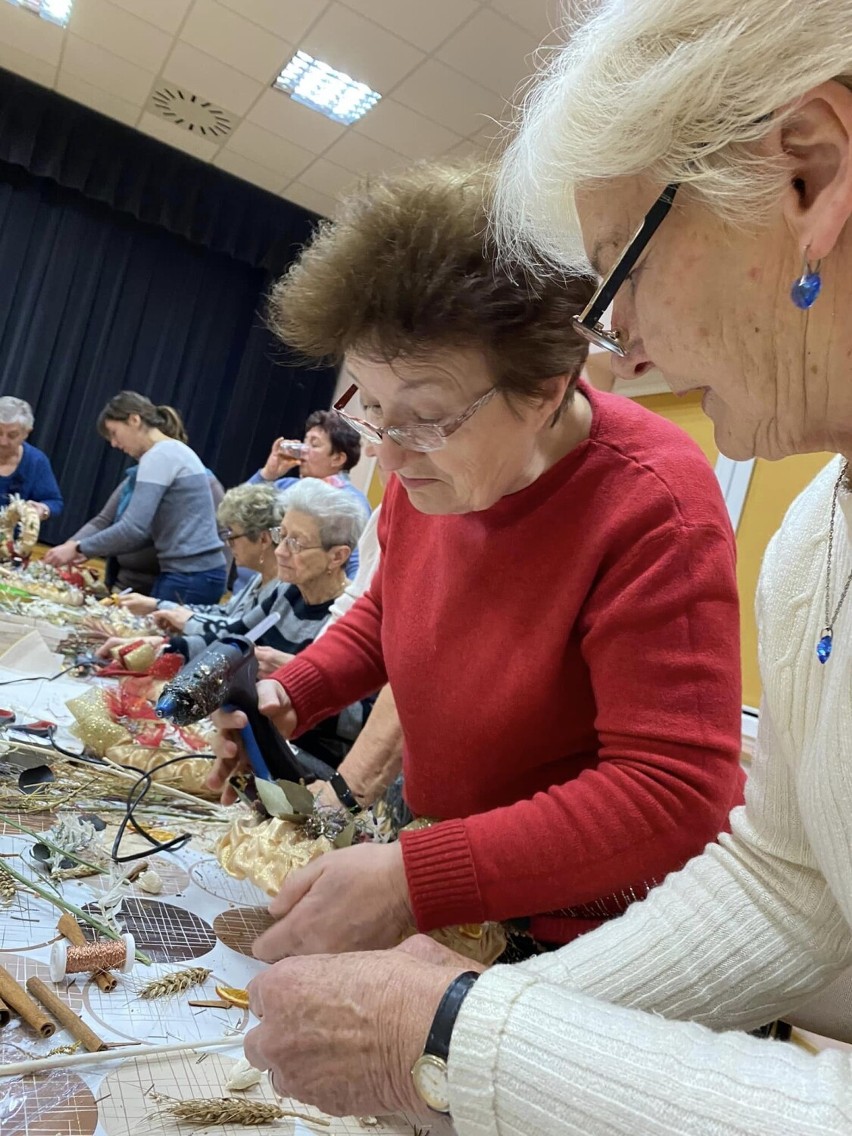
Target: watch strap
[438, 1041]
[343, 793]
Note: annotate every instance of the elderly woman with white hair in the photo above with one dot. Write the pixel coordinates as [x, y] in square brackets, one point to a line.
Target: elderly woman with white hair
[700, 157]
[24, 470]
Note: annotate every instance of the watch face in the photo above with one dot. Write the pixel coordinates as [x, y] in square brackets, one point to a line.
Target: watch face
[430, 1080]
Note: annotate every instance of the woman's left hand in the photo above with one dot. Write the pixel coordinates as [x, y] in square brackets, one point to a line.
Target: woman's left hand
[352, 899]
[269, 660]
[42, 509]
[342, 1032]
[105, 650]
[63, 554]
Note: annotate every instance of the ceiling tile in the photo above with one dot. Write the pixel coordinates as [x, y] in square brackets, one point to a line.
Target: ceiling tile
[289, 19]
[491, 51]
[269, 150]
[309, 198]
[173, 136]
[405, 131]
[248, 170]
[166, 14]
[103, 69]
[327, 177]
[426, 25]
[22, 31]
[363, 155]
[120, 32]
[109, 104]
[541, 17]
[22, 63]
[203, 75]
[361, 48]
[275, 111]
[233, 40]
[448, 97]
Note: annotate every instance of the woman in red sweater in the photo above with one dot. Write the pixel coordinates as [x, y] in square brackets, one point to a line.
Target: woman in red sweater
[555, 607]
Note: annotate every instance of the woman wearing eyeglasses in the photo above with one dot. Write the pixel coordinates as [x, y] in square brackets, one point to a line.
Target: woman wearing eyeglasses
[555, 607]
[730, 125]
[246, 516]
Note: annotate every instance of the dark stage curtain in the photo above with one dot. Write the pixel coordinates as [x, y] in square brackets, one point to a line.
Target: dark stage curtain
[93, 301]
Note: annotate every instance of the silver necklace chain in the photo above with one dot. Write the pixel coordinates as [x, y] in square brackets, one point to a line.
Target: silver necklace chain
[829, 618]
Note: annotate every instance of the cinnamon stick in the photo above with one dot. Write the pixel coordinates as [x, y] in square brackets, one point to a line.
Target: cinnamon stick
[17, 999]
[65, 1016]
[73, 932]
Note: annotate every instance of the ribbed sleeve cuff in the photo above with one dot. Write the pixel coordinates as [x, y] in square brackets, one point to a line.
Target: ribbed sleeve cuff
[441, 876]
[308, 691]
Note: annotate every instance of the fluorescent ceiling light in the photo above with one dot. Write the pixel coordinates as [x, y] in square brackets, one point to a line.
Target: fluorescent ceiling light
[57, 11]
[316, 85]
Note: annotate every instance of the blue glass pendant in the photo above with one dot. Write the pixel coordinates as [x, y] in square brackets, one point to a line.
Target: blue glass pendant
[824, 647]
[805, 291]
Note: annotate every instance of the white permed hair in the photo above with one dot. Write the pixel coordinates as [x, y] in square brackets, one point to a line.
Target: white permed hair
[15, 410]
[680, 90]
[339, 516]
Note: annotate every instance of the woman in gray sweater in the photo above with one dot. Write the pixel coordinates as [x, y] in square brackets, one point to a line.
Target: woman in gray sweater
[171, 506]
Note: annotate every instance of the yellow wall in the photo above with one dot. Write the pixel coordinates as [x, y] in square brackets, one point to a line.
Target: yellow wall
[686, 412]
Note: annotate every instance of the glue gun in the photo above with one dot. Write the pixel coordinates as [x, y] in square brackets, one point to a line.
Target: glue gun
[224, 676]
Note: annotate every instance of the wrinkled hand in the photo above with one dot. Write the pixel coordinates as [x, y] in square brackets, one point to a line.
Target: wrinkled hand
[63, 554]
[274, 702]
[277, 463]
[342, 1032]
[137, 604]
[105, 649]
[42, 509]
[269, 660]
[353, 899]
[173, 618]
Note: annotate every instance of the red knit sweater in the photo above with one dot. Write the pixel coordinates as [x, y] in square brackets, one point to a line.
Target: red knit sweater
[566, 669]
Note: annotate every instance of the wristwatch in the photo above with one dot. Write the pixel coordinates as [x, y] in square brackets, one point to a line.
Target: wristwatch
[343, 793]
[430, 1069]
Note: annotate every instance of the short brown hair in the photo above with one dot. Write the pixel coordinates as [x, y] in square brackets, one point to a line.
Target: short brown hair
[343, 438]
[409, 265]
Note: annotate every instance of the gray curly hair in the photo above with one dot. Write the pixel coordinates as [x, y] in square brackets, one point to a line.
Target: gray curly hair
[251, 509]
[15, 410]
[339, 517]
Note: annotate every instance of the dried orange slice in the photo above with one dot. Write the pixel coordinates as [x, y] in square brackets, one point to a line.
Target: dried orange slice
[233, 996]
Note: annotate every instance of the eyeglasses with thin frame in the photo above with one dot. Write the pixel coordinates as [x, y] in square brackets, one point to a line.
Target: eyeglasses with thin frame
[424, 438]
[291, 542]
[587, 323]
[231, 537]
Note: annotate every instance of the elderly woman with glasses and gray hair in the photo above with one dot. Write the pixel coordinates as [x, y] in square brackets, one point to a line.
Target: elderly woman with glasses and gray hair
[25, 471]
[699, 156]
[555, 606]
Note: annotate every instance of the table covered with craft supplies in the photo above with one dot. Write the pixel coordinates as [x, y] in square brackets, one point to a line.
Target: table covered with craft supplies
[129, 900]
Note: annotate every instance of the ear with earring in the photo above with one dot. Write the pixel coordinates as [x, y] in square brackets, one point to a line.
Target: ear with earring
[807, 287]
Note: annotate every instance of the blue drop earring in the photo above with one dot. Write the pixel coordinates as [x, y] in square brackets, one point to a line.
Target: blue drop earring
[806, 289]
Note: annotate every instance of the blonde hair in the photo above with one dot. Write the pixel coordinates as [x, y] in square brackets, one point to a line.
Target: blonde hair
[680, 90]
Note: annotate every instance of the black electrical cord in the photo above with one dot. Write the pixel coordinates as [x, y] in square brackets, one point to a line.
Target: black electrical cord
[40, 678]
[135, 796]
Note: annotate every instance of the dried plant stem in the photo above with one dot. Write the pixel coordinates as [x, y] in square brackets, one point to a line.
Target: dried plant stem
[211, 806]
[230, 1110]
[36, 1065]
[175, 983]
[64, 905]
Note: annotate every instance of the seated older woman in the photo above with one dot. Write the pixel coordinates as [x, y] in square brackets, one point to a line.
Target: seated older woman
[25, 471]
[555, 607]
[247, 516]
[320, 527]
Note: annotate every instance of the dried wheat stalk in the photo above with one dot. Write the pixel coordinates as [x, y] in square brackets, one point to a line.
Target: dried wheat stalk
[63, 1049]
[230, 1110]
[79, 872]
[174, 983]
[8, 886]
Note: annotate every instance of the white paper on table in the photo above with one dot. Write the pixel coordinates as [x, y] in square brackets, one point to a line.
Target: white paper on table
[30, 655]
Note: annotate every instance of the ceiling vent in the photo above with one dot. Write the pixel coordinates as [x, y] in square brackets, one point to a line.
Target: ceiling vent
[190, 112]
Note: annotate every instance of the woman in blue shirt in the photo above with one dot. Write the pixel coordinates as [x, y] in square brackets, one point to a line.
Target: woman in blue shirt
[24, 470]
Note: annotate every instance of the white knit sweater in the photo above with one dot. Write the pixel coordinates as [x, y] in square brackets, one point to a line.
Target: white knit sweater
[747, 931]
